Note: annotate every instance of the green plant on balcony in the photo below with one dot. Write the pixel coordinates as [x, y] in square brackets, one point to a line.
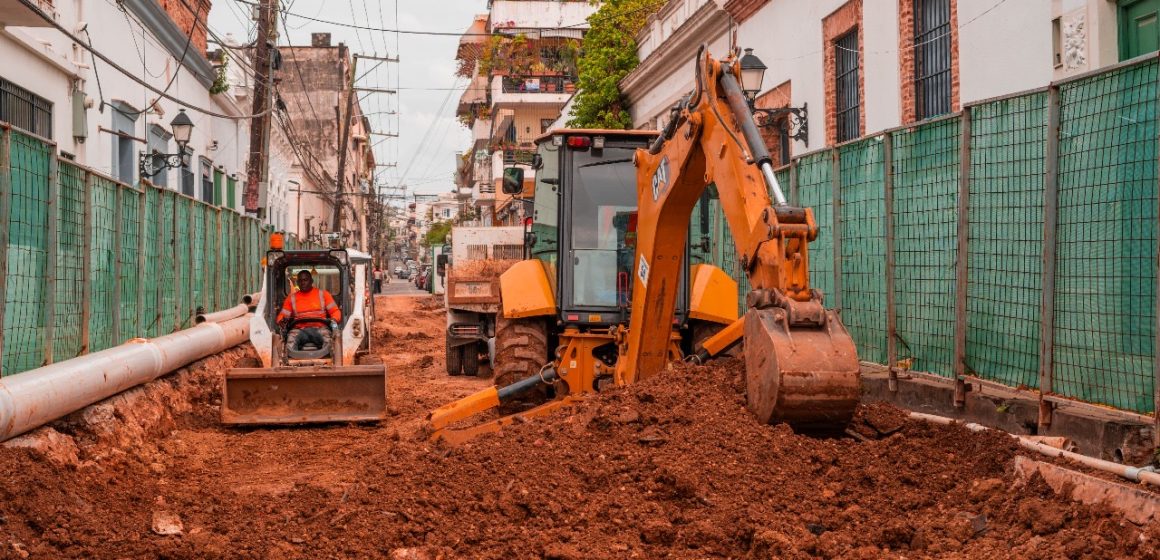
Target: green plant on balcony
[609, 55]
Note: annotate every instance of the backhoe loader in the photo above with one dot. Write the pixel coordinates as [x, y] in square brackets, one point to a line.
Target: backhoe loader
[801, 363]
[335, 381]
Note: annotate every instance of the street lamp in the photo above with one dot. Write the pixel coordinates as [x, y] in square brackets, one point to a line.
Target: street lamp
[150, 164]
[752, 74]
[796, 124]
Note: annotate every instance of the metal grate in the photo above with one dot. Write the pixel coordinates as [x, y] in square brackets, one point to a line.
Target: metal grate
[24, 109]
[1105, 288]
[1005, 248]
[863, 246]
[24, 316]
[70, 262]
[815, 190]
[932, 58]
[846, 86]
[926, 185]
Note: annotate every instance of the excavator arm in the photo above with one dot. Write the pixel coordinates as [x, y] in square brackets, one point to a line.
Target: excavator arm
[801, 363]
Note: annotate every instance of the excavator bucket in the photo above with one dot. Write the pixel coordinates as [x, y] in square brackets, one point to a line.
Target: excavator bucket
[304, 395]
[806, 376]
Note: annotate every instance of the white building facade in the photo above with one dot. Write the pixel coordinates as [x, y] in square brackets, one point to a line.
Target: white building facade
[856, 67]
[102, 117]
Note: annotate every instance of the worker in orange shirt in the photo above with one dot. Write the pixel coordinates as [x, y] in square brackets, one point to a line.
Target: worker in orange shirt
[309, 303]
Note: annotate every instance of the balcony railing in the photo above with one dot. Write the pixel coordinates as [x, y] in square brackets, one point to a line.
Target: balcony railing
[538, 84]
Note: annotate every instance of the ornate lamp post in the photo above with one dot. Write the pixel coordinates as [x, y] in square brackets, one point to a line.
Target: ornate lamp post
[797, 118]
[150, 164]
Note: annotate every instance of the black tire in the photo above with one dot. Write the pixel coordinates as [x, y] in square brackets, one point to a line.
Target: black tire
[454, 359]
[521, 348]
[471, 359]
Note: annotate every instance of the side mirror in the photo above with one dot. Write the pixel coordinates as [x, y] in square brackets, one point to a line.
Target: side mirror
[513, 180]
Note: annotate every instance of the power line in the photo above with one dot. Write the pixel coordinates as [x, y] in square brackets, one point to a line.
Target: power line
[52, 23]
[356, 26]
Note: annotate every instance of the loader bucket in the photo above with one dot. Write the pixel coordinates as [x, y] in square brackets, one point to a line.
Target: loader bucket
[808, 377]
[304, 395]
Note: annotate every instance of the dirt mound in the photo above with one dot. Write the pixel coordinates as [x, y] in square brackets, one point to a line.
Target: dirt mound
[672, 467]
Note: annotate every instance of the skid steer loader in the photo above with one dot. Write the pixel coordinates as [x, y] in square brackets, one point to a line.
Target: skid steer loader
[337, 381]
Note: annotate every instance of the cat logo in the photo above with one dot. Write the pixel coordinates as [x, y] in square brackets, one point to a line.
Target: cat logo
[660, 180]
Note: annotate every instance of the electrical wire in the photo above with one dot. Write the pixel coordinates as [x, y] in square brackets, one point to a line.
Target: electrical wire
[72, 37]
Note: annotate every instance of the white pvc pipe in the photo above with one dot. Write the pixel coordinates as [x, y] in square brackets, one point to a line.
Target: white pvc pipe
[1135, 474]
[223, 315]
[33, 398]
[252, 299]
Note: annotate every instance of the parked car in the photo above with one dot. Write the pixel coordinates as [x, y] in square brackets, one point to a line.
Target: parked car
[400, 272]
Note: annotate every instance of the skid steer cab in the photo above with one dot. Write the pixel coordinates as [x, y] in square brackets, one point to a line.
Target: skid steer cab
[311, 370]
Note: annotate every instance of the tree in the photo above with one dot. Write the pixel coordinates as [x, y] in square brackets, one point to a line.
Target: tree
[437, 234]
[609, 54]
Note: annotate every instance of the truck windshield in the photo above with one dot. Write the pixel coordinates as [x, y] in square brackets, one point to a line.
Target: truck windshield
[603, 199]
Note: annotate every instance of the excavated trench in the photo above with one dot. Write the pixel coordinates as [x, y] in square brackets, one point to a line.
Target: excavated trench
[672, 467]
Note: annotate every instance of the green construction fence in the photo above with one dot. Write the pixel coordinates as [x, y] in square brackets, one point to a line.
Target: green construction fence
[973, 206]
[90, 262]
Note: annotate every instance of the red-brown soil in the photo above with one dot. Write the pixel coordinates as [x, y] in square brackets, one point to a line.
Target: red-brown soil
[674, 467]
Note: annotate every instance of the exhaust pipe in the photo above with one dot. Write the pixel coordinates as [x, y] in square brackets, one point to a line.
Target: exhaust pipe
[36, 397]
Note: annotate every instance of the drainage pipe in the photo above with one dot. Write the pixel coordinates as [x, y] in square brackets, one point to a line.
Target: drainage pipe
[223, 315]
[36, 397]
[1135, 474]
[252, 299]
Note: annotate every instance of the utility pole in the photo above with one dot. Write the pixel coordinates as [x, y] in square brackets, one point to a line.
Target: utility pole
[258, 170]
[336, 217]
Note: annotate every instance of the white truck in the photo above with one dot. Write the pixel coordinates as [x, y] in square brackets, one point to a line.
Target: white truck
[478, 256]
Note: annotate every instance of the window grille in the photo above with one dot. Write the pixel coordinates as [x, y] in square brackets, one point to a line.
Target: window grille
[932, 58]
[846, 82]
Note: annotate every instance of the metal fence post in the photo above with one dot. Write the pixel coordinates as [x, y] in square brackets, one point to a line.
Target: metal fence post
[52, 236]
[178, 277]
[836, 183]
[87, 267]
[219, 303]
[1047, 301]
[962, 236]
[5, 213]
[159, 302]
[118, 216]
[793, 182]
[142, 218]
[888, 224]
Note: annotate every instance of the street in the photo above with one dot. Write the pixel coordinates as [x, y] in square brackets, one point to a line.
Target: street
[625, 474]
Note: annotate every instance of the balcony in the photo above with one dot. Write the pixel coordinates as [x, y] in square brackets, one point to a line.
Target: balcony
[531, 90]
[482, 169]
[549, 18]
[481, 131]
[13, 13]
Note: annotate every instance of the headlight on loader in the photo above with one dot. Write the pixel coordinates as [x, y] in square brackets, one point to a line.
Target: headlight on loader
[356, 328]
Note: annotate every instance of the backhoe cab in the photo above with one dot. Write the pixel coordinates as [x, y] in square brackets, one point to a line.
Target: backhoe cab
[310, 383]
[562, 309]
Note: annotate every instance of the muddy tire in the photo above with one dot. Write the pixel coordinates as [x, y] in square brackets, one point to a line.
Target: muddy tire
[454, 359]
[521, 348]
[471, 359]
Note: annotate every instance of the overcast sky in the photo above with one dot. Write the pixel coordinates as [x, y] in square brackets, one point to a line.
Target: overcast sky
[425, 72]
